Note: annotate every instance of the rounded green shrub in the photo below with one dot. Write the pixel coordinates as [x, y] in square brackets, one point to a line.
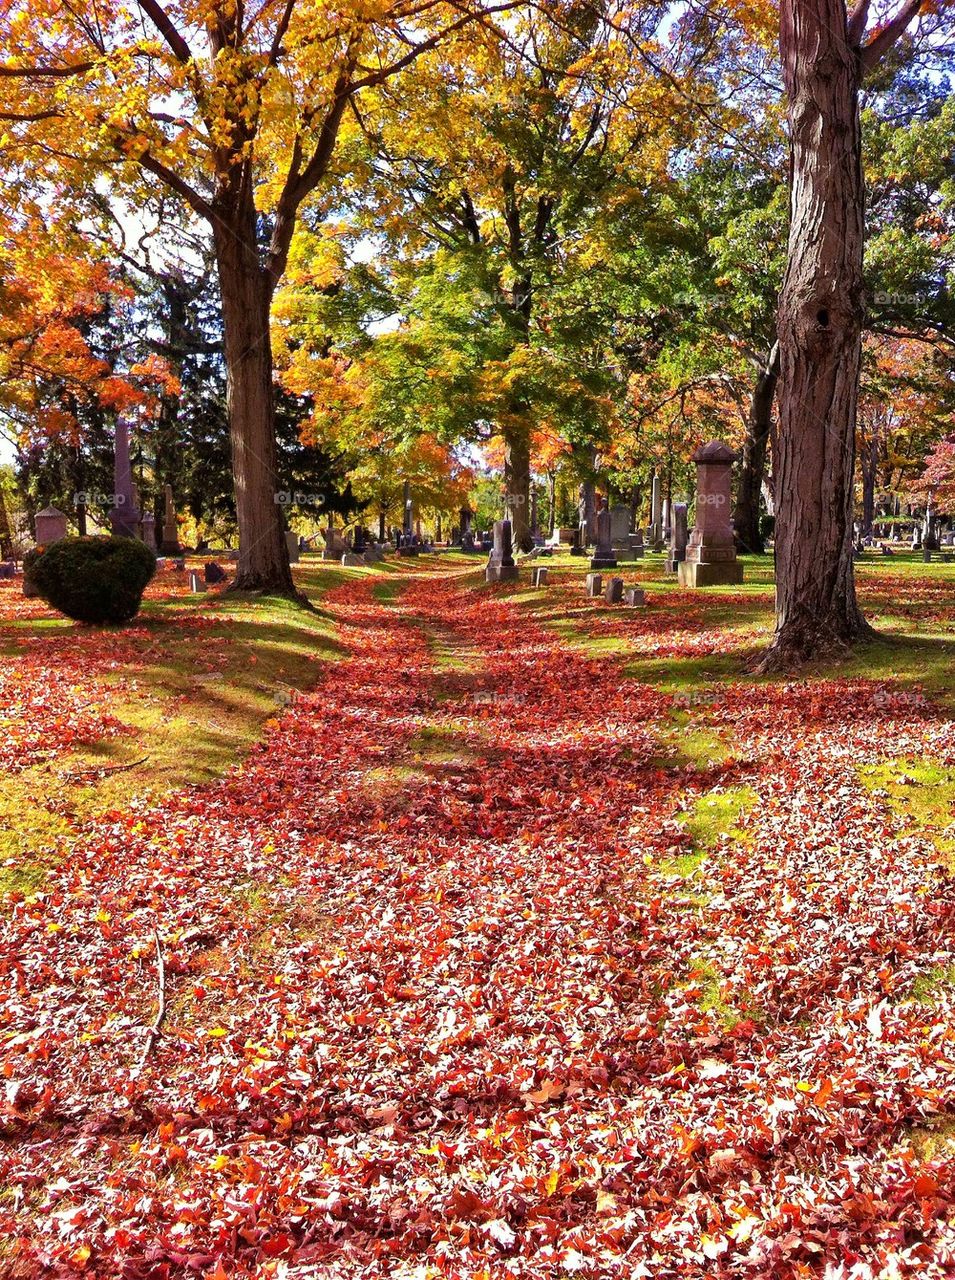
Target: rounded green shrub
[94, 579]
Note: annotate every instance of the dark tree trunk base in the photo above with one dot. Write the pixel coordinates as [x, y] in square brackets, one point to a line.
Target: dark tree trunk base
[812, 640]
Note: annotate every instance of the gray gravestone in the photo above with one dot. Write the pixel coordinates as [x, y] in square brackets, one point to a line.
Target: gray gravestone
[540, 576]
[603, 557]
[50, 526]
[633, 595]
[678, 538]
[593, 583]
[500, 565]
[613, 593]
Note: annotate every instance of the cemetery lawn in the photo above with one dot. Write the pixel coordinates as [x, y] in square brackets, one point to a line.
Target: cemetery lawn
[99, 720]
[502, 933]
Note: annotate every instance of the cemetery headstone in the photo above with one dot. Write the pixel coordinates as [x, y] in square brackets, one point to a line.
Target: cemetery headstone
[123, 516]
[214, 573]
[633, 596]
[613, 592]
[620, 525]
[501, 566]
[594, 584]
[603, 557]
[678, 538]
[711, 550]
[656, 517]
[196, 584]
[540, 576]
[147, 529]
[50, 526]
[170, 529]
[579, 545]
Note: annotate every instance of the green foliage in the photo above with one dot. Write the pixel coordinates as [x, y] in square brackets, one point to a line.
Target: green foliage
[98, 580]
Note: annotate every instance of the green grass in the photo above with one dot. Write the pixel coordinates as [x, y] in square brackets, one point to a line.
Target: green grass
[922, 792]
[196, 703]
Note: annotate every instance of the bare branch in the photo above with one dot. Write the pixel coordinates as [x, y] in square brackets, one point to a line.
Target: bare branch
[166, 28]
[883, 39]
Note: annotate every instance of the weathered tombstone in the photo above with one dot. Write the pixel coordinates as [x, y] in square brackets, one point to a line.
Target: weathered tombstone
[667, 519]
[711, 550]
[351, 559]
[147, 529]
[196, 584]
[500, 565]
[620, 525]
[579, 545]
[291, 544]
[8, 569]
[678, 538]
[214, 573]
[334, 543]
[603, 557]
[656, 519]
[594, 584]
[636, 544]
[633, 596]
[540, 576]
[50, 526]
[613, 592]
[170, 530]
[123, 516]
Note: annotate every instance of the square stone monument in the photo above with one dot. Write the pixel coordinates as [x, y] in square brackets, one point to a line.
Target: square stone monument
[711, 551]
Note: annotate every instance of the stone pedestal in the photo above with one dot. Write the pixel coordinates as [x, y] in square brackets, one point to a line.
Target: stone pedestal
[711, 550]
[50, 526]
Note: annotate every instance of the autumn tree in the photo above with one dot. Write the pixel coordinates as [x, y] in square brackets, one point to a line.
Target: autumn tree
[826, 54]
[236, 110]
[486, 211]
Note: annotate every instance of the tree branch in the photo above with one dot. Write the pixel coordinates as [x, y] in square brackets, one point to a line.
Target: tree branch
[164, 25]
[884, 38]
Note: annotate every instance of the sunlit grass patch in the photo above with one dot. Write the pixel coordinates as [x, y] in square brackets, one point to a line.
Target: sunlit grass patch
[922, 792]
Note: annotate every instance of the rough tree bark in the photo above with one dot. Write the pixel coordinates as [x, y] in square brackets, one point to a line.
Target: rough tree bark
[245, 288]
[753, 469]
[517, 482]
[824, 59]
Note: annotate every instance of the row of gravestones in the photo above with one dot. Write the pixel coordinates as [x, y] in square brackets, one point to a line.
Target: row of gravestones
[706, 557]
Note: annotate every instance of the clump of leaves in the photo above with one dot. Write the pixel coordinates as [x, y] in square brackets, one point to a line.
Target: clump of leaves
[98, 580]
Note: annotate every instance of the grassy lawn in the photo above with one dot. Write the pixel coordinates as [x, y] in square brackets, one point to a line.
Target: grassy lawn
[192, 700]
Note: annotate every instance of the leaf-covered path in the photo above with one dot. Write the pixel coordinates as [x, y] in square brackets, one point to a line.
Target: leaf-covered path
[452, 992]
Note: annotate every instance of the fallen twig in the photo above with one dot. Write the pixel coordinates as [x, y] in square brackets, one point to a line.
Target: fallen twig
[154, 1031]
[104, 768]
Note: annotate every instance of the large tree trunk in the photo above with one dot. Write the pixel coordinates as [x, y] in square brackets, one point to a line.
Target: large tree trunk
[246, 294]
[820, 326]
[753, 469]
[517, 482]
